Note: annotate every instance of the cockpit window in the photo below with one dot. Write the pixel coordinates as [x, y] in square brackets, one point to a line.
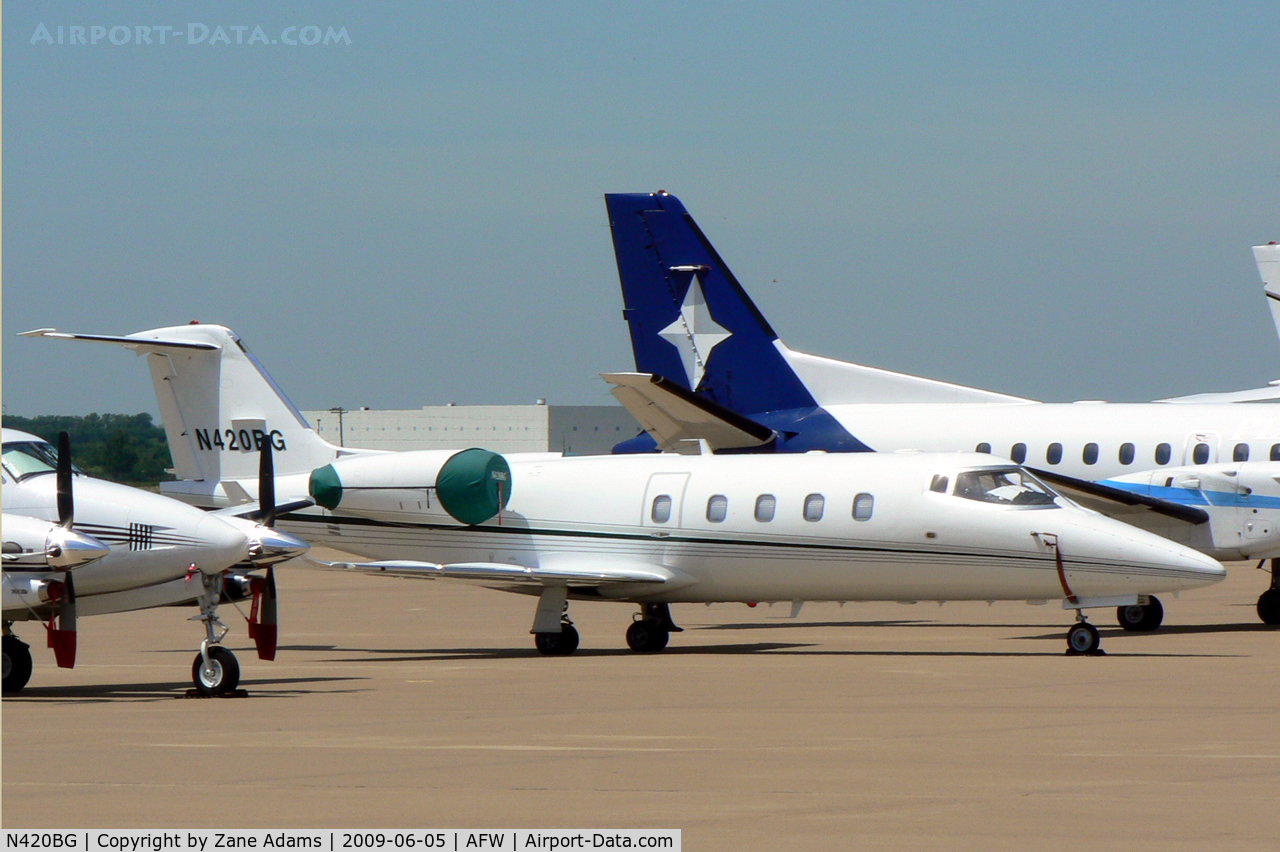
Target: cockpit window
[27, 458]
[1008, 486]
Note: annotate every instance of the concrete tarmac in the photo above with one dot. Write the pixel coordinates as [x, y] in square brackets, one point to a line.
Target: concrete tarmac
[401, 703]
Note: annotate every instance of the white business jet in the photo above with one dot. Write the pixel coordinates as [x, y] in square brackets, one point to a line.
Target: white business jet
[655, 529]
[118, 549]
[710, 367]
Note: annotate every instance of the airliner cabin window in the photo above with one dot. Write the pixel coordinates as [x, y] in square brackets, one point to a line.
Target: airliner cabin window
[1200, 454]
[1240, 453]
[765, 504]
[1164, 452]
[661, 512]
[984, 447]
[1054, 453]
[813, 507]
[1018, 452]
[1090, 455]
[939, 484]
[1275, 452]
[863, 505]
[717, 508]
[1126, 453]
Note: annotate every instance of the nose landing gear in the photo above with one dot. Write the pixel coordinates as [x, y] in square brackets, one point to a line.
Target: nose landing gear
[1083, 639]
[215, 670]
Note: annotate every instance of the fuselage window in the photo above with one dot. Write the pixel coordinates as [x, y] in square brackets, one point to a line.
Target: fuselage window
[1240, 453]
[813, 507]
[939, 484]
[1018, 452]
[1164, 452]
[863, 505]
[1054, 454]
[717, 508]
[1126, 453]
[984, 447]
[1200, 454]
[765, 504]
[661, 512]
[1275, 452]
[1090, 454]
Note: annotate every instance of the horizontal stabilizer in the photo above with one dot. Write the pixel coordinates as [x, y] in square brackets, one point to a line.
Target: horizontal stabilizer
[497, 572]
[1117, 502]
[677, 418]
[129, 342]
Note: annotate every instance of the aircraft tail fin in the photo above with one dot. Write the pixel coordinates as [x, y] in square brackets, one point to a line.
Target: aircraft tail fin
[692, 323]
[1268, 259]
[690, 320]
[218, 404]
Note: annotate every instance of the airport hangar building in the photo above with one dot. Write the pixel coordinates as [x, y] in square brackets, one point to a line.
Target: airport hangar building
[575, 430]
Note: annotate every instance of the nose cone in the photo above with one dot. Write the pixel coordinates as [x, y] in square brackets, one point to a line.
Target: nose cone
[1116, 558]
[70, 549]
[270, 546]
[219, 545]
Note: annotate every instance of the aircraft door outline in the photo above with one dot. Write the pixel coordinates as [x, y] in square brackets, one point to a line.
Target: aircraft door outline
[664, 485]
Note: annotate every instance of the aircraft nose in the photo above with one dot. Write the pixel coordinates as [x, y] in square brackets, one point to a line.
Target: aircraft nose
[220, 545]
[1195, 562]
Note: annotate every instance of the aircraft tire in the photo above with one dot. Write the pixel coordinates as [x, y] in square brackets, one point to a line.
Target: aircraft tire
[557, 644]
[1141, 619]
[1083, 638]
[223, 675]
[17, 664]
[646, 636]
[1269, 606]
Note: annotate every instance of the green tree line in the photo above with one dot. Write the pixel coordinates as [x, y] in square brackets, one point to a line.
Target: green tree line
[126, 448]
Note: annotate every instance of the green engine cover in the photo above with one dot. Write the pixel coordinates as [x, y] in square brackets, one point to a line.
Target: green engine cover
[474, 485]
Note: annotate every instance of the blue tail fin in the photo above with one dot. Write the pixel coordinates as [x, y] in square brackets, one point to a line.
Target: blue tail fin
[691, 322]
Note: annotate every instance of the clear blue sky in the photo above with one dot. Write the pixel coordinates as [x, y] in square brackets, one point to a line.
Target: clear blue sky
[417, 217]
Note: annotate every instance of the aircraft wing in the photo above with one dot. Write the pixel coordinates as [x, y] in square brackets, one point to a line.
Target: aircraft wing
[599, 573]
[1119, 503]
[677, 418]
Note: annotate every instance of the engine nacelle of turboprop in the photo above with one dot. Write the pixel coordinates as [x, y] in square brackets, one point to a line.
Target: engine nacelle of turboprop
[471, 485]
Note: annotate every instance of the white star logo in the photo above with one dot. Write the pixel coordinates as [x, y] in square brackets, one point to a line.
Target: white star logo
[694, 333]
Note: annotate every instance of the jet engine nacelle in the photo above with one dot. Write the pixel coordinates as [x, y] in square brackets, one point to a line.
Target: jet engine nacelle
[472, 485]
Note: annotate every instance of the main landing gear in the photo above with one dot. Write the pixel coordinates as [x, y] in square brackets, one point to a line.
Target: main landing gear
[1083, 638]
[651, 629]
[555, 635]
[17, 662]
[1269, 601]
[1141, 618]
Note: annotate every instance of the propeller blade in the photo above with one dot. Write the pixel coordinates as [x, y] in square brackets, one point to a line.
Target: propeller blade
[62, 638]
[265, 638]
[267, 485]
[66, 505]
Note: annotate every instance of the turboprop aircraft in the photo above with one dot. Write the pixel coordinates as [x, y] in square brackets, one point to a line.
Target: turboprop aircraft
[711, 368]
[655, 529]
[121, 549]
